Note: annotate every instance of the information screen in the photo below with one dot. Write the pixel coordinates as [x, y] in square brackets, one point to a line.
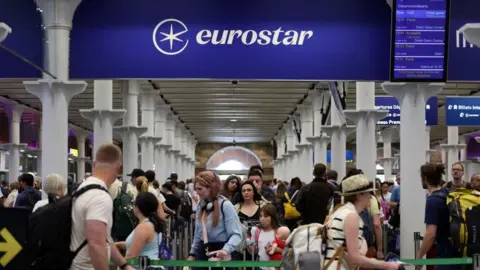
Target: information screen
[419, 40]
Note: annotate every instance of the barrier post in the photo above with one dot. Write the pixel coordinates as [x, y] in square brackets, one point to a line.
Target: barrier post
[143, 263]
[476, 261]
[385, 239]
[416, 242]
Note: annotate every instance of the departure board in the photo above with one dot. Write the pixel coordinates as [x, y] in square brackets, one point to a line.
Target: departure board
[419, 40]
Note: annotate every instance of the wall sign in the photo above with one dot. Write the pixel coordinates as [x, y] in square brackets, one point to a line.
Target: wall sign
[238, 39]
[462, 111]
[463, 60]
[393, 119]
[420, 38]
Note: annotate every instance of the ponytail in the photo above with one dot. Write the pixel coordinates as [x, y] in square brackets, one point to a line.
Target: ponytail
[141, 184]
[158, 225]
[52, 198]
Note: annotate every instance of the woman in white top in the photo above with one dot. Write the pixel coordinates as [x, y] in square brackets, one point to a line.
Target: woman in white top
[54, 188]
[345, 226]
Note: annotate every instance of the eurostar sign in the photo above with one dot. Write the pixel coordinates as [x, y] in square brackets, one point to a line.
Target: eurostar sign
[170, 37]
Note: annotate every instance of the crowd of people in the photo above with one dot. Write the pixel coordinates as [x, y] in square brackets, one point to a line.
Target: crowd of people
[237, 219]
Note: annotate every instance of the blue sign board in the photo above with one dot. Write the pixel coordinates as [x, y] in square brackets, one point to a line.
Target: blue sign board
[26, 39]
[463, 58]
[420, 40]
[393, 119]
[348, 156]
[238, 39]
[462, 111]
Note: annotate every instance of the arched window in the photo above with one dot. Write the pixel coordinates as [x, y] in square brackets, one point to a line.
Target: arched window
[232, 158]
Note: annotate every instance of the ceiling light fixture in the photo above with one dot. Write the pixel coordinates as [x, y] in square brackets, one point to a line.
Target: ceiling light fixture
[233, 120]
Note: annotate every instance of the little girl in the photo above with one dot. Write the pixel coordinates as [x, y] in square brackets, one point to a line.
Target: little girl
[264, 235]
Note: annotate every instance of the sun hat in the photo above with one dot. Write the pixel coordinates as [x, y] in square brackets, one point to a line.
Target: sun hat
[356, 184]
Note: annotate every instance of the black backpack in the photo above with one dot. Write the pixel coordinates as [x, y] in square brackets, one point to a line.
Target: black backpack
[33, 197]
[50, 232]
[124, 220]
[186, 210]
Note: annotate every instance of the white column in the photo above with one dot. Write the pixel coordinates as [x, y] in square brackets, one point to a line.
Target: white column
[161, 161]
[284, 155]
[464, 140]
[55, 94]
[338, 137]
[81, 136]
[148, 139]
[14, 112]
[452, 149]
[387, 160]
[366, 117]
[130, 130]
[290, 133]
[412, 98]
[306, 148]
[320, 140]
[102, 115]
[193, 156]
[170, 129]
[183, 152]
[178, 148]
[278, 160]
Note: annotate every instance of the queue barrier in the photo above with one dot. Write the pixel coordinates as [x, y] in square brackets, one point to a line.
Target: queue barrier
[142, 263]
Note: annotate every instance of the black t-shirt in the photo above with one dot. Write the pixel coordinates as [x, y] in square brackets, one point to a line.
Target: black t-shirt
[172, 201]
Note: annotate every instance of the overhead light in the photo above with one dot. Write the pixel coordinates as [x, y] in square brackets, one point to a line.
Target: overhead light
[233, 120]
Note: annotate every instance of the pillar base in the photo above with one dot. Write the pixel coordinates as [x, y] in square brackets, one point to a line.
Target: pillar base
[13, 146]
[149, 139]
[329, 130]
[48, 88]
[453, 147]
[471, 32]
[303, 145]
[165, 146]
[382, 161]
[293, 152]
[101, 114]
[134, 129]
[356, 115]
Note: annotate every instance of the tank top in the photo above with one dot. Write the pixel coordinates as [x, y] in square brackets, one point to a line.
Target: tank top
[337, 235]
[150, 249]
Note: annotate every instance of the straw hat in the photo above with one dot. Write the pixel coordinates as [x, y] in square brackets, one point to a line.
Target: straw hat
[357, 184]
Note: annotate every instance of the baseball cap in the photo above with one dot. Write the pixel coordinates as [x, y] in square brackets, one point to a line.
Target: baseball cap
[173, 176]
[136, 173]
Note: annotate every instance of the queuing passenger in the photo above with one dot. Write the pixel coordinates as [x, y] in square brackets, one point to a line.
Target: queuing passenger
[92, 215]
[346, 226]
[395, 197]
[12, 195]
[249, 205]
[475, 182]
[256, 176]
[437, 218]
[216, 220]
[28, 195]
[54, 188]
[231, 188]
[457, 177]
[147, 236]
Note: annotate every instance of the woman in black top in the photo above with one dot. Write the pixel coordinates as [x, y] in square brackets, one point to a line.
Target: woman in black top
[171, 200]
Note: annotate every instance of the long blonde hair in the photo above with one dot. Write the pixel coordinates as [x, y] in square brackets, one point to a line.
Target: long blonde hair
[141, 183]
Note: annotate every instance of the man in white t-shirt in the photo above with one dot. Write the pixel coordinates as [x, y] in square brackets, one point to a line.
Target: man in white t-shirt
[92, 215]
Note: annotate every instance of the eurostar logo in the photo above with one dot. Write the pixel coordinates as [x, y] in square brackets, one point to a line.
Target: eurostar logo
[168, 37]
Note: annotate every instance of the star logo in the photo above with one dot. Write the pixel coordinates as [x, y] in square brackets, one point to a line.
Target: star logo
[167, 36]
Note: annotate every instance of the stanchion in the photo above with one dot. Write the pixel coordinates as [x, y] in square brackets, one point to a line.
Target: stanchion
[476, 261]
[143, 263]
[416, 242]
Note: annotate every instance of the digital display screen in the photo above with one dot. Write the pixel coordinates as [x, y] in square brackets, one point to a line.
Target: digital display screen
[419, 40]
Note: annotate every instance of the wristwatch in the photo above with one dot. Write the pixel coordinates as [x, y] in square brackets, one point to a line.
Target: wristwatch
[123, 266]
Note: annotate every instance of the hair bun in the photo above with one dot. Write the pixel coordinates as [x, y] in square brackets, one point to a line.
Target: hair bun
[440, 168]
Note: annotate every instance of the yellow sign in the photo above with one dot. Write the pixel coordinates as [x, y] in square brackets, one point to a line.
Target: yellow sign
[10, 247]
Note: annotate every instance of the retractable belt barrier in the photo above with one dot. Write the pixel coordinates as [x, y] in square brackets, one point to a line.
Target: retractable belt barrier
[143, 263]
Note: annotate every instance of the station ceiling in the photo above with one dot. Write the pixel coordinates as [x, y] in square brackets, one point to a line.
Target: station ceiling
[209, 108]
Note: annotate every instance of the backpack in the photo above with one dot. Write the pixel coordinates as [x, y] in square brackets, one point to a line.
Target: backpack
[464, 209]
[289, 207]
[33, 197]
[306, 248]
[50, 231]
[124, 220]
[186, 210]
[368, 227]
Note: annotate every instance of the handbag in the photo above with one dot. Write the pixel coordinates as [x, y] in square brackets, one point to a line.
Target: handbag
[205, 242]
